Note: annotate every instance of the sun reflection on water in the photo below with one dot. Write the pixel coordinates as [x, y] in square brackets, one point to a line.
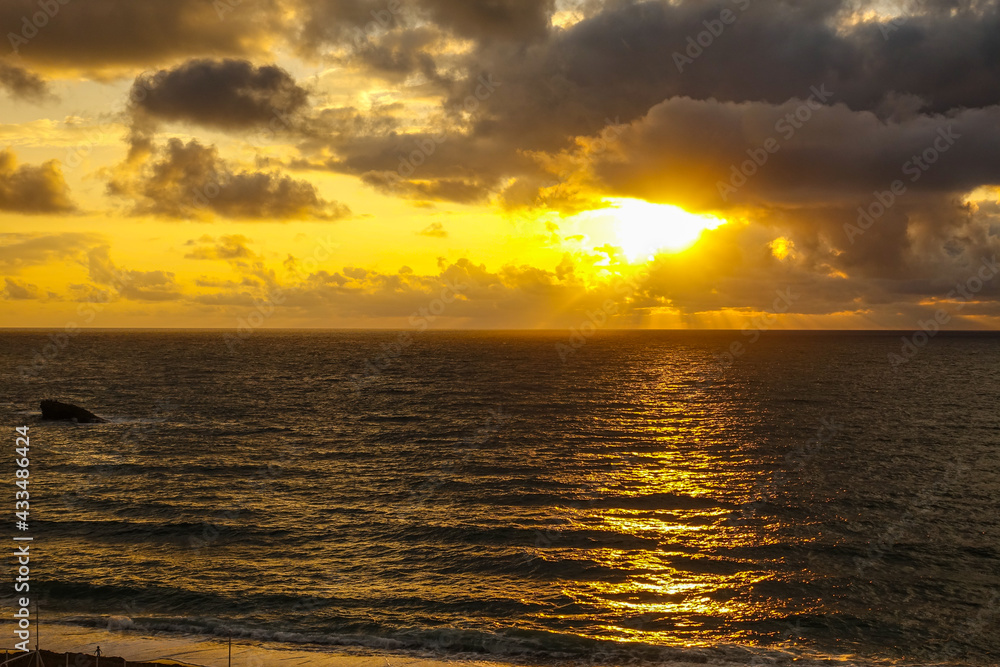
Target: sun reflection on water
[692, 570]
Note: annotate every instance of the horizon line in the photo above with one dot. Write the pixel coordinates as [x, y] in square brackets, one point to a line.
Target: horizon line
[497, 329]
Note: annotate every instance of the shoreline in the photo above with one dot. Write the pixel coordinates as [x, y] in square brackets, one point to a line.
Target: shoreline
[137, 648]
[142, 649]
[60, 659]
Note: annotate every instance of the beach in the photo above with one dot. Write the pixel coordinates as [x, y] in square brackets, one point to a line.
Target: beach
[143, 650]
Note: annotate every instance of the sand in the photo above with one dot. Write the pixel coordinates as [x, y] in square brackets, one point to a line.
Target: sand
[52, 659]
[158, 650]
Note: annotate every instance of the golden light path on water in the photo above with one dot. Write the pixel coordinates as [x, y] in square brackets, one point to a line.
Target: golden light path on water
[688, 578]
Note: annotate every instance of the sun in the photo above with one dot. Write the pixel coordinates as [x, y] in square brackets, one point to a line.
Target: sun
[644, 229]
[640, 229]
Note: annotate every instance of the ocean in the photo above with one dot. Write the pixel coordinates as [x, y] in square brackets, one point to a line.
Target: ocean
[521, 497]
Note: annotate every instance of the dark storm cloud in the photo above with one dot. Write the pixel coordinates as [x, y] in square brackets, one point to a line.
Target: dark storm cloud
[102, 34]
[31, 189]
[354, 21]
[919, 247]
[190, 181]
[224, 94]
[621, 62]
[333, 21]
[522, 20]
[896, 84]
[21, 83]
[616, 65]
[450, 164]
[399, 54]
[712, 155]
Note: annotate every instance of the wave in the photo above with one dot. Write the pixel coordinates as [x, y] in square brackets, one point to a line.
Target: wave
[190, 533]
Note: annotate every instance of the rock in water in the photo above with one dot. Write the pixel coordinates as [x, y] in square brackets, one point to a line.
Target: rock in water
[67, 412]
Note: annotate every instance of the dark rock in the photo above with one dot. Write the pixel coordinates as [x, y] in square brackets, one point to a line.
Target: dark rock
[67, 412]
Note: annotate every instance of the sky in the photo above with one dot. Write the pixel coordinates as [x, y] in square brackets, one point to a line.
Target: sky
[500, 163]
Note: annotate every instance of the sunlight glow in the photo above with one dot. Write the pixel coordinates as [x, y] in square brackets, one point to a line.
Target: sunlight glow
[781, 247]
[643, 229]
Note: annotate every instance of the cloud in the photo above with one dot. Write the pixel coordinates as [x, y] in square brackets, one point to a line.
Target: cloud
[332, 22]
[469, 293]
[457, 190]
[119, 283]
[434, 230]
[108, 281]
[423, 125]
[232, 247]
[222, 94]
[31, 189]
[22, 84]
[20, 291]
[189, 181]
[736, 271]
[111, 36]
[522, 20]
[20, 250]
[342, 20]
[541, 138]
[398, 55]
[808, 188]
[710, 155]
[620, 62]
